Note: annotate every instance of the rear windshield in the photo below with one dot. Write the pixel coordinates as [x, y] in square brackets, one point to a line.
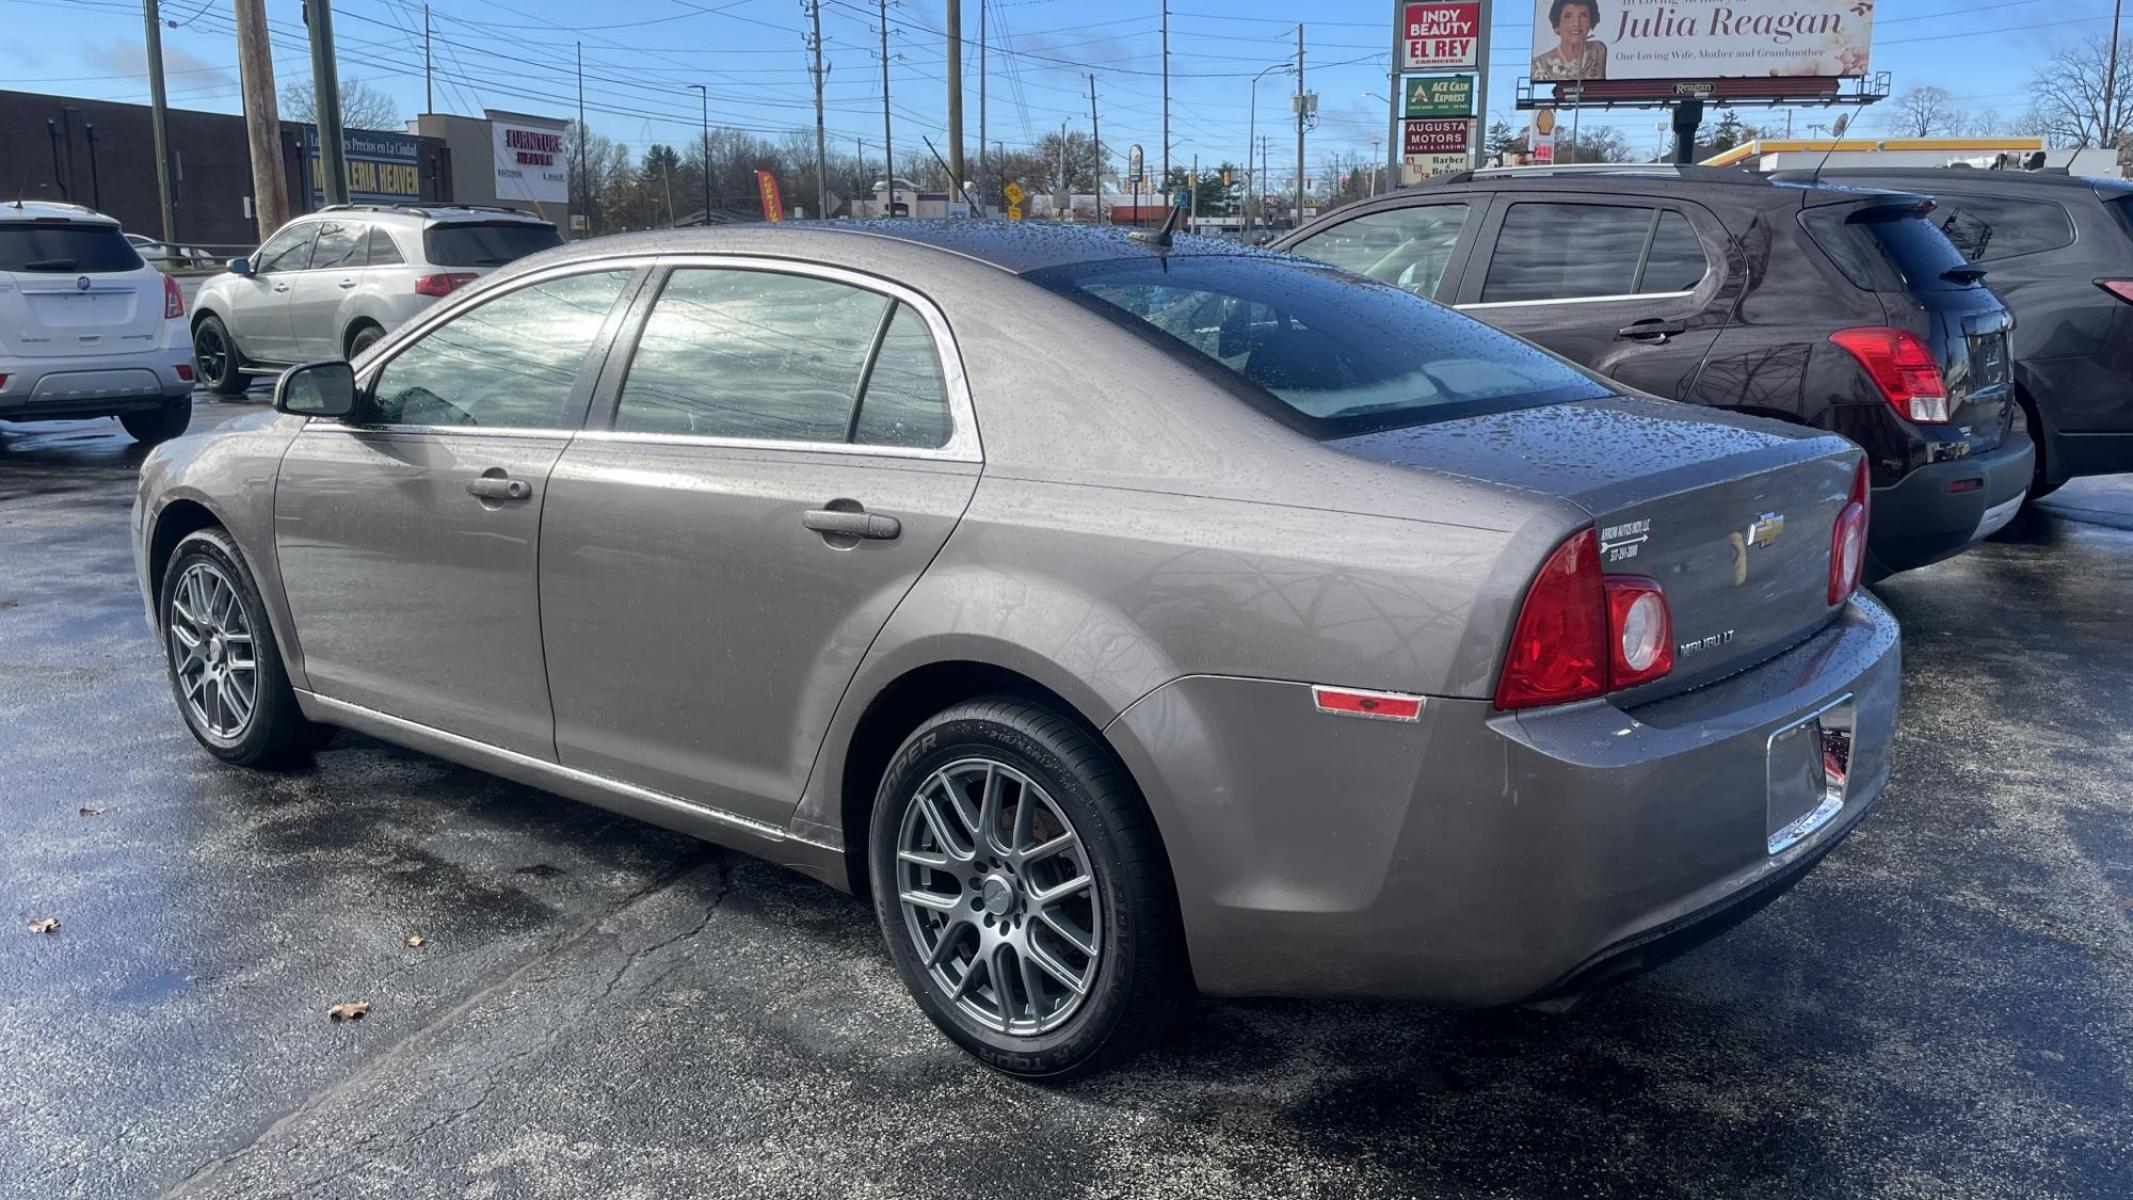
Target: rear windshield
[1327, 353]
[60, 249]
[470, 245]
[1886, 248]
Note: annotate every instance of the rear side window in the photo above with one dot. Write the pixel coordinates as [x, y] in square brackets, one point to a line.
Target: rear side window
[1989, 227]
[337, 246]
[467, 244]
[1574, 251]
[1320, 351]
[1886, 248]
[69, 248]
[1407, 247]
[382, 251]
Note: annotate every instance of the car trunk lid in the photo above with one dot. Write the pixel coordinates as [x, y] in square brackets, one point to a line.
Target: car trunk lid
[1731, 515]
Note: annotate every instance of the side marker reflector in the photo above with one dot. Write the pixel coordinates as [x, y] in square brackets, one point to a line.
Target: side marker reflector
[1381, 706]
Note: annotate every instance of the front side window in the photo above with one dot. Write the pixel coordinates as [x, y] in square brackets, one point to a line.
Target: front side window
[1987, 227]
[289, 250]
[772, 357]
[337, 246]
[1558, 251]
[1321, 351]
[511, 363]
[1408, 248]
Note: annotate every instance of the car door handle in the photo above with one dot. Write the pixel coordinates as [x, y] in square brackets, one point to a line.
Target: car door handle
[346, 283]
[1651, 329]
[872, 526]
[497, 487]
[281, 287]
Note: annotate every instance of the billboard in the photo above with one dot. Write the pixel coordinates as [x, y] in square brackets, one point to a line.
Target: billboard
[382, 167]
[1419, 138]
[1439, 96]
[532, 163]
[1700, 39]
[1440, 35]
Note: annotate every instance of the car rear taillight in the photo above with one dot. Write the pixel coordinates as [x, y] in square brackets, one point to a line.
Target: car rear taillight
[173, 299]
[442, 285]
[2121, 288]
[3, 381]
[1582, 634]
[185, 372]
[1902, 367]
[1847, 541]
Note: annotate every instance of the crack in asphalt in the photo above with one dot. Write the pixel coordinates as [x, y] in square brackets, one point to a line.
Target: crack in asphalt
[205, 1172]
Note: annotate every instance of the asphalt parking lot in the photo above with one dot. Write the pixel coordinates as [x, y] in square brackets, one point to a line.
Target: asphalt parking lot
[600, 1008]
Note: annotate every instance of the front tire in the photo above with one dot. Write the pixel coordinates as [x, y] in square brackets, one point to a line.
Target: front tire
[215, 358]
[1024, 892]
[224, 665]
[153, 425]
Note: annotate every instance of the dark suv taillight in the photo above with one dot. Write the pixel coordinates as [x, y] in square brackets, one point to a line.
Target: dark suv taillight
[1582, 634]
[1847, 541]
[2121, 288]
[1903, 368]
[443, 285]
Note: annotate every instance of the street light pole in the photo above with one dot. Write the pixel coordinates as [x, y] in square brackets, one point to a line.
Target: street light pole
[1251, 142]
[705, 94]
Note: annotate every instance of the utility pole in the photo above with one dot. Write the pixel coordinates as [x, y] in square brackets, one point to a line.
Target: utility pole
[814, 12]
[1395, 94]
[584, 177]
[1096, 131]
[159, 108]
[984, 176]
[888, 140]
[1374, 167]
[1166, 93]
[1066, 181]
[2111, 119]
[429, 94]
[326, 90]
[705, 94]
[262, 123]
[955, 100]
[1192, 190]
[1297, 220]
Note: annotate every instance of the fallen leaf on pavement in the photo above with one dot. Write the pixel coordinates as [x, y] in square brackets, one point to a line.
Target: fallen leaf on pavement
[45, 925]
[352, 1011]
[92, 810]
[414, 939]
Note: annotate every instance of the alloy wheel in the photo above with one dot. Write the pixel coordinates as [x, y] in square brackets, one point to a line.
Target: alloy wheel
[998, 896]
[210, 354]
[211, 652]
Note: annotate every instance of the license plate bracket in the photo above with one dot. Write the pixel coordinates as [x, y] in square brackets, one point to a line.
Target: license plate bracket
[1809, 767]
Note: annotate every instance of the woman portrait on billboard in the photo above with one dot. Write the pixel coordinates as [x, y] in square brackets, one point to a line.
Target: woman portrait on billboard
[1576, 55]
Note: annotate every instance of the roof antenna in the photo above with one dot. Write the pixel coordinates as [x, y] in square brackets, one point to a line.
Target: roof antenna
[1836, 139]
[1160, 238]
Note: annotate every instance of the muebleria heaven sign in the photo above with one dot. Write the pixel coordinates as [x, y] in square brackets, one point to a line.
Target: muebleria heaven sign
[1700, 39]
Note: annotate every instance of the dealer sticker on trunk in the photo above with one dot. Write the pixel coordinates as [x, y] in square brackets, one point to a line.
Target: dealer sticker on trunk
[1620, 542]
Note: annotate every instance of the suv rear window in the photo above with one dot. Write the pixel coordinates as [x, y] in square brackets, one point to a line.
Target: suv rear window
[1326, 353]
[68, 248]
[466, 244]
[1887, 247]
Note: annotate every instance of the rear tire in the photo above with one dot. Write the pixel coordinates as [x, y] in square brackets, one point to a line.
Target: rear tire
[215, 358]
[153, 425]
[1046, 940]
[225, 667]
[364, 337]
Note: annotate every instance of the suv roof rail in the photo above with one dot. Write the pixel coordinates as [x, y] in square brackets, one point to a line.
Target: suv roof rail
[1685, 171]
[421, 208]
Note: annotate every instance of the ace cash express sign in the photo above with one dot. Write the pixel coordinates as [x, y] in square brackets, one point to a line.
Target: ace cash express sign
[1440, 35]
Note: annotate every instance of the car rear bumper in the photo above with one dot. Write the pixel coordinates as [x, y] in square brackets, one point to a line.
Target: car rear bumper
[40, 389]
[1475, 858]
[1940, 508]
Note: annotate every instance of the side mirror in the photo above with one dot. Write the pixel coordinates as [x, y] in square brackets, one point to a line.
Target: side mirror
[240, 266]
[320, 389]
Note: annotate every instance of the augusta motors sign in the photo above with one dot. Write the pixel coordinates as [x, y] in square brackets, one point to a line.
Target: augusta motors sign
[1700, 39]
[1440, 35]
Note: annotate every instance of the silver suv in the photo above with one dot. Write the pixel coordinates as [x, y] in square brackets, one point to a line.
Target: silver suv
[332, 282]
[86, 328]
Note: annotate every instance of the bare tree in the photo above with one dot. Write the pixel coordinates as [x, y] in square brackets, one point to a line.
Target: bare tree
[1594, 144]
[2072, 105]
[362, 106]
[1925, 112]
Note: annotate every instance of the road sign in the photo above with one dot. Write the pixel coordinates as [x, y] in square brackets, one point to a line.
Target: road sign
[1134, 165]
[1436, 137]
[1181, 199]
[1014, 212]
[1014, 193]
[1440, 35]
[1440, 96]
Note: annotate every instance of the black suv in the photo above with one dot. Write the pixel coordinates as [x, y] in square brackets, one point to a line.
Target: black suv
[1835, 307]
[2060, 252]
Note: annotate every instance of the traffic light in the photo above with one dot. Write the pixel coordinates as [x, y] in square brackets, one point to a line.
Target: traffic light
[1225, 178]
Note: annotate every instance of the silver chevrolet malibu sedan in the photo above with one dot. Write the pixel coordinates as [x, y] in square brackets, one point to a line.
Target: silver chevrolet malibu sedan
[1126, 617]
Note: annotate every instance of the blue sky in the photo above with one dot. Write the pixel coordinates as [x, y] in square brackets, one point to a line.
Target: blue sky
[641, 55]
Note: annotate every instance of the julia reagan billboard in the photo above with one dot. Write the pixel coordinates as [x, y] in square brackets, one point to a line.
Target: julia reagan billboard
[1700, 39]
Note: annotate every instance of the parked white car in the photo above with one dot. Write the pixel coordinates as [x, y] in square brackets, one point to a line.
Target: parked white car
[87, 329]
[330, 283]
[167, 257]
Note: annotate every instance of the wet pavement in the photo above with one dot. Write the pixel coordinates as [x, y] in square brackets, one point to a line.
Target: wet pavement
[600, 1008]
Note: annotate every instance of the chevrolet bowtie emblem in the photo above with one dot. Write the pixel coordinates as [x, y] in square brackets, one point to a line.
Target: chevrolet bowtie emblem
[1765, 529]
